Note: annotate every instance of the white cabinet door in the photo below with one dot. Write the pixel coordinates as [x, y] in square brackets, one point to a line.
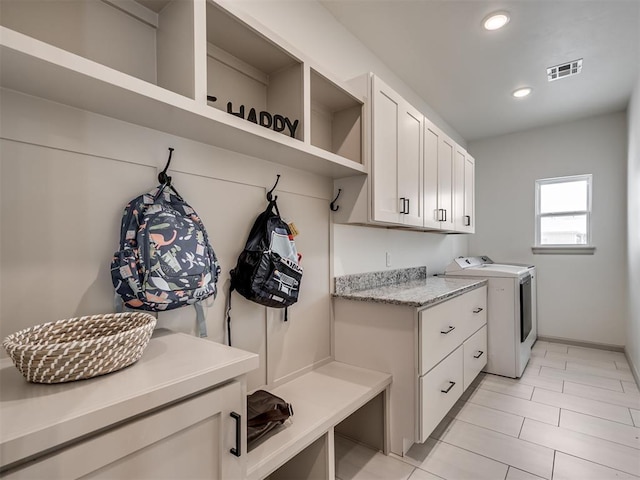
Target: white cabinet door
[464, 192]
[446, 150]
[396, 158]
[430, 179]
[410, 161]
[190, 439]
[386, 109]
[438, 178]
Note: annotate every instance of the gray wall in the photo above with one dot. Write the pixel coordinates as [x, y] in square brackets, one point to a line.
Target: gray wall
[633, 242]
[580, 297]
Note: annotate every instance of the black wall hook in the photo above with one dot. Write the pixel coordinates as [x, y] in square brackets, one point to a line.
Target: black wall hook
[163, 178]
[332, 205]
[270, 197]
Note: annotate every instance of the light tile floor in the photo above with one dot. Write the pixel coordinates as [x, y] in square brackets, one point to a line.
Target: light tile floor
[574, 415]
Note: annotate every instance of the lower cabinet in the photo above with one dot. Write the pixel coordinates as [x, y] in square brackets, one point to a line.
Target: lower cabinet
[439, 390]
[433, 354]
[475, 355]
[188, 439]
[444, 384]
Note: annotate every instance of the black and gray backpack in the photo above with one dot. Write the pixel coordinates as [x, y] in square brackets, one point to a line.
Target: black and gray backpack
[268, 271]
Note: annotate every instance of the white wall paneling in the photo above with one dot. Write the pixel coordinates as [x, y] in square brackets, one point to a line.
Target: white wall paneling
[580, 297]
[66, 176]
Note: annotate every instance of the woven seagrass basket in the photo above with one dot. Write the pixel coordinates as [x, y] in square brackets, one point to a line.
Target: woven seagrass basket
[80, 348]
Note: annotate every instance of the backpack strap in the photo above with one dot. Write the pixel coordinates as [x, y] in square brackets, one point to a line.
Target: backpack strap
[118, 304]
[228, 313]
[200, 320]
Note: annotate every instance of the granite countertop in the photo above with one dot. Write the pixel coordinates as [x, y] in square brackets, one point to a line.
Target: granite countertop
[408, 287]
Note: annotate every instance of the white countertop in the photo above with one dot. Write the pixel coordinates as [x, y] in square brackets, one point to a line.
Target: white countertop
[38, 417]
[416, 293]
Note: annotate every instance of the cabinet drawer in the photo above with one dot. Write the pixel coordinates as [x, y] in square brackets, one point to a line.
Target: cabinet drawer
[199, 428]
[473, 310]
[439, 390]
[441, 331]
[475, 355]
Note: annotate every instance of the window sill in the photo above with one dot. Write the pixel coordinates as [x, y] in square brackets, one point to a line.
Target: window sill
[564, 250]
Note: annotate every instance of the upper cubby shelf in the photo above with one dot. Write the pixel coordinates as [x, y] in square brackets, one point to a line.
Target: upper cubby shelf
[155, 68]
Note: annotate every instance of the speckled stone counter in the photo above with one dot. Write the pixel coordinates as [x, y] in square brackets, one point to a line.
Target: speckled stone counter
[414, 289]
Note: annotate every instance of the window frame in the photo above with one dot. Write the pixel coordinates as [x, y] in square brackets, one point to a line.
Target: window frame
[564, 248]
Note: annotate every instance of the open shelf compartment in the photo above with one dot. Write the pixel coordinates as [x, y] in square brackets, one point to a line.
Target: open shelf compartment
[336, 119]
[156, 46]
[252, 77]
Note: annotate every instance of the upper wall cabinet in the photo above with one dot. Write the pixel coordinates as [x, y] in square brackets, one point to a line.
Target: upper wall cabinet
[464, 177]
[414, 180]
[199, 69]
[396, 158]
[439, 152]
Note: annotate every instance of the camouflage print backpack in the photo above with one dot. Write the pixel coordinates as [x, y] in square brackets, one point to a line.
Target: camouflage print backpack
[165, 260]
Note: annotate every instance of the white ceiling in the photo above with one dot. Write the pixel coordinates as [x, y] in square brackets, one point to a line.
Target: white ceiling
[467, 74]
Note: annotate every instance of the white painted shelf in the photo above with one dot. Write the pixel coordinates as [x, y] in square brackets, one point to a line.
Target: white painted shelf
[36, 68]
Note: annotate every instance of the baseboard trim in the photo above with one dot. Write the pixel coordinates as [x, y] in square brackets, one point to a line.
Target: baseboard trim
[633, 367]
[577, 343]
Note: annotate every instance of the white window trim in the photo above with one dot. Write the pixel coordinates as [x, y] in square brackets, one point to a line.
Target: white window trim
[587, 249]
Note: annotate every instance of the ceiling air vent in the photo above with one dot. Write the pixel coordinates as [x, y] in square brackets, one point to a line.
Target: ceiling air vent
[564, 70]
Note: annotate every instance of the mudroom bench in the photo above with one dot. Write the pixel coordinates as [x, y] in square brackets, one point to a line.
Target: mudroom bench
[327, 399]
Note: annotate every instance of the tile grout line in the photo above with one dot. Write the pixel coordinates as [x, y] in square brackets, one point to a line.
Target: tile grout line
[491, 458]
[597, 463]
[587, 414]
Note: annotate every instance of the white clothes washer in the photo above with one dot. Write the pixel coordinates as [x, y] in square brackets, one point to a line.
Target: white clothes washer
[511, 311]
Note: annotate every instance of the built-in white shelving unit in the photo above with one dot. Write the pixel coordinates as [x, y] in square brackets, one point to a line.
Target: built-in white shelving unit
[154, 64]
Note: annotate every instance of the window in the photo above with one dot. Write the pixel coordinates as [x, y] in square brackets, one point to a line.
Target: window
[563, 212]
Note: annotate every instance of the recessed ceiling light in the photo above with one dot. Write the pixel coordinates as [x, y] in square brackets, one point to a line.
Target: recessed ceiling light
[495, 20]
[522, 92]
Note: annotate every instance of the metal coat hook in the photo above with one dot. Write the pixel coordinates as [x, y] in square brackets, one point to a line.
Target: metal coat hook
[270, 197]
[163, 178]
[332, 205]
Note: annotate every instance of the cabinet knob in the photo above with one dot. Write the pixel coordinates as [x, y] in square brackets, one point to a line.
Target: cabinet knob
[479, 354]
[449, 330]
[403, 203]
[478, 310]
[467, 220]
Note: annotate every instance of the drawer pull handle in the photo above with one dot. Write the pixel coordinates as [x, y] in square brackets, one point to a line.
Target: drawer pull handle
[478, 310]
[451, 329]
[451, 385]
[480, 352]
[237, 417]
